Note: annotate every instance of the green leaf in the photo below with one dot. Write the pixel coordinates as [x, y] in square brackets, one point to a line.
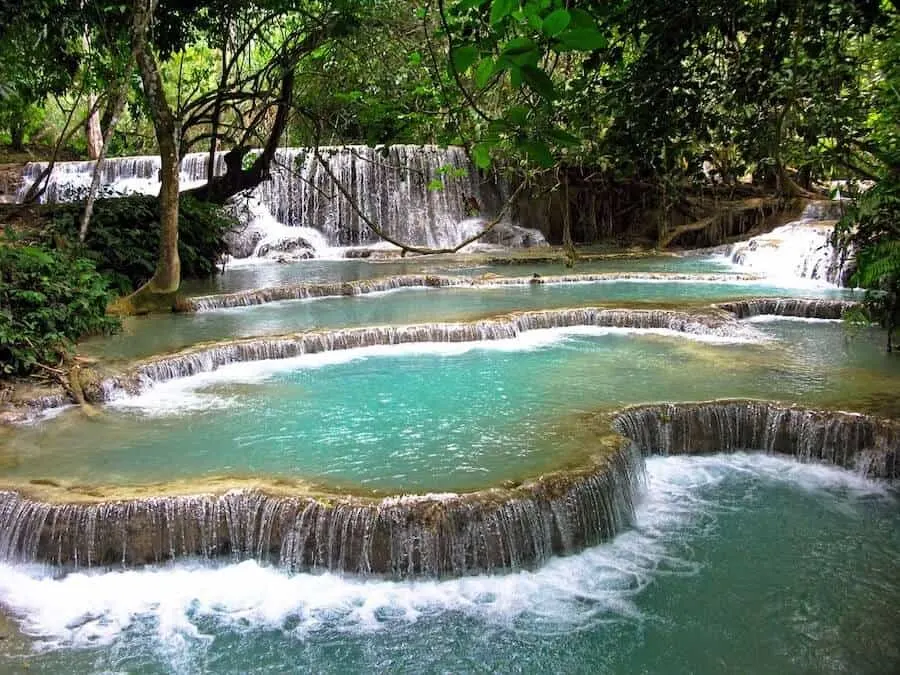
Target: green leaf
[581, 40]
[556, 22]
[500, 9]
[515, 75]
[519, 46]
[581, 19]
[563, 137]
[484, 71]
[481, 155]
[517, 115]
[435, 184]
[539, 81]
[537, 151]
[463, 57]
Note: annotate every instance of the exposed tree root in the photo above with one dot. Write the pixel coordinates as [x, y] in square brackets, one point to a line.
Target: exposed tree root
[145, 300]
[757, 210]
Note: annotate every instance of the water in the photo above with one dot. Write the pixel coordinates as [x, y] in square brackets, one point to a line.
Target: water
[739, 563]
[423, 195]
[436, 417]
[246, 275]
[143, 336]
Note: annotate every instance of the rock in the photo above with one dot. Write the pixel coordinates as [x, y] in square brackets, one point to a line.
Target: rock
[514, 236]
[241, 243]
[297, 247]
[355, 253]
[13, 417]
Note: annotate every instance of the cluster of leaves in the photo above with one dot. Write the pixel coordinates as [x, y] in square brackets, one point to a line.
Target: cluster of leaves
[871, 228]
[654, 90]
[123, 239]
[47, 301]
[507, 59]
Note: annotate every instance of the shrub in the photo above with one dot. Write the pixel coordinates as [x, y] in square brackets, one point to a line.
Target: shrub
[123, 237]
[871, 228]
[47, 301]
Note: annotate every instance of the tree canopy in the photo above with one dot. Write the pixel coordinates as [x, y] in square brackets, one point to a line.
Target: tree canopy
[787, 93]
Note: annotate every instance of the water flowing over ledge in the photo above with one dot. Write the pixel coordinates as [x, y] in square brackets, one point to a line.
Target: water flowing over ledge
[261, 296]
[393, 186]
[431, 535]
[713, 324]
[868, 445]
[500, 529]
[794, 307]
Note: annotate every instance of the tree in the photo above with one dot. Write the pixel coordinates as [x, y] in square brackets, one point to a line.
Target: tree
[871, 229]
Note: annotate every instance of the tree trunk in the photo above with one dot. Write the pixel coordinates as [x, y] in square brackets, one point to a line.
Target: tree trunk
[92, 130]
[158, 293]
[236, 179]
[17, 137]
[116, 108]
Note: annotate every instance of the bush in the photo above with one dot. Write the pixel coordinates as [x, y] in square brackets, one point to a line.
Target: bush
[871, 228]
[47, 301]
[123, 237]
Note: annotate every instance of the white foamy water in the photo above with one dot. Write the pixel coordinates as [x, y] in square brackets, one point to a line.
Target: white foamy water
[776, 318]
[175, 604]
[797, 254]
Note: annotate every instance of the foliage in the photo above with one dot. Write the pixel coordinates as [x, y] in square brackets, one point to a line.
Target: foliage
[123, 239]
[47, 301]
[871, 228]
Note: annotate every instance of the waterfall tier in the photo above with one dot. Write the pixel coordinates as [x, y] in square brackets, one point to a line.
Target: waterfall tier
[798, 250]
[432, 535]
[70, 181]
[440, 535]
[795, 307]
[420, 195]
[262, 296]
[209, 358]
[868, 445]
[423, 195]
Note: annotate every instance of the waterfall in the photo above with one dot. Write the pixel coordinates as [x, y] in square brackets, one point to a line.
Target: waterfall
[799, 250]
[417, 194]
[420, 195]
[440, 535]
[430, 535]
[209, 358]
[260, 296]
[869, 445]
[797, 307]
[69, 181]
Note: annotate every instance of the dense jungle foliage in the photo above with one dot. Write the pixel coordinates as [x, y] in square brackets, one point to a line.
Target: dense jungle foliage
[48, 300]
[777, 97]
[123, 240]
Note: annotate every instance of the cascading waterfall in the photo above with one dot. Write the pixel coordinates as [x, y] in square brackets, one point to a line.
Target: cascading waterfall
[798, 250]
[440, 535]
[404, 536]
[206, 359]
[420, 195]
[868, 445]
[794, 307]
[262, 296]
[69, 181]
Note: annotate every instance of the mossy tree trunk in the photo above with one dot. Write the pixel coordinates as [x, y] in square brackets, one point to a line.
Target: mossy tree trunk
[158, 293]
